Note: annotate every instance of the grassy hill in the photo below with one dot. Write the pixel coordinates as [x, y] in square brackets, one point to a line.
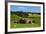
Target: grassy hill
[23, 14]
[15, 16]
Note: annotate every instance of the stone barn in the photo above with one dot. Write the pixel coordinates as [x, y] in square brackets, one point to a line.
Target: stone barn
[29, 21]
[25, 21]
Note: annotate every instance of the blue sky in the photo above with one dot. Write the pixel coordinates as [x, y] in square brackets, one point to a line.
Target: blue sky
[25, 8]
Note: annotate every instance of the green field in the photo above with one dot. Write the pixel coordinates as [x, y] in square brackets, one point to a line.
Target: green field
[14, 17]
[24, 25]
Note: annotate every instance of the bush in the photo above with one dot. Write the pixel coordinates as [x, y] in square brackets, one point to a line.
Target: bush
[22, 21]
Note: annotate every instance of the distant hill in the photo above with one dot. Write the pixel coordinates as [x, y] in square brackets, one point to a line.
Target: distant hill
[23, 14]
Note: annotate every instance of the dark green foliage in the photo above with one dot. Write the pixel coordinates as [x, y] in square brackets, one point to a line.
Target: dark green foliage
[23, 14]
[33, 21]
[20, 13]
[22, 21]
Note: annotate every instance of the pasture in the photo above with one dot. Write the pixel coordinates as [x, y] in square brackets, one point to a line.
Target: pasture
[15, 17]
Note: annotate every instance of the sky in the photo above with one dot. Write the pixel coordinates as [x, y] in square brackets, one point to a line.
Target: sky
[15, 8]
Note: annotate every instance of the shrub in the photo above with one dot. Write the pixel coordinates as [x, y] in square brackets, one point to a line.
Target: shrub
[22, 21]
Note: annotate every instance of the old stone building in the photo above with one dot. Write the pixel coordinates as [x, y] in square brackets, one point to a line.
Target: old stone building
[25, 21]
[28, 21]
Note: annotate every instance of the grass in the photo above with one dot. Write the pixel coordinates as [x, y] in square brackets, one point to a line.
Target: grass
[15, 17]
[24, 25]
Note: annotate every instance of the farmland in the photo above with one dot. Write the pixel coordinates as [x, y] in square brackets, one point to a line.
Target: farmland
[16, 16]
